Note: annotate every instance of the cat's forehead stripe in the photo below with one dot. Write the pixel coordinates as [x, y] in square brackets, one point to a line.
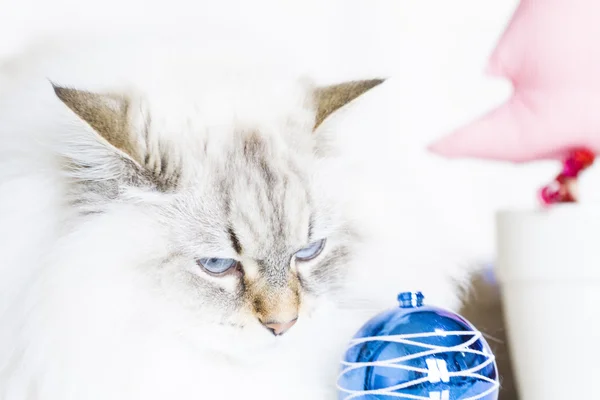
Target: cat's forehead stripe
[235, 242]
[256, 153]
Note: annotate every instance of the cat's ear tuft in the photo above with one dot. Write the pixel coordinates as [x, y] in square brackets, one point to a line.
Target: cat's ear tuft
[107, 114]
[329, 99]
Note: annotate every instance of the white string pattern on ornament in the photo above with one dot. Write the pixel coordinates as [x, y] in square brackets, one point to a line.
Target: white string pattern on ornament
[432, 350]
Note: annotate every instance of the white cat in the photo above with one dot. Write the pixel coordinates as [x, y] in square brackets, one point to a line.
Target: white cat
[181, 226]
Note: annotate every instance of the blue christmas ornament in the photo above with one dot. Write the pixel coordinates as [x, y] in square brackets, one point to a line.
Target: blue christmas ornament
[418, 352]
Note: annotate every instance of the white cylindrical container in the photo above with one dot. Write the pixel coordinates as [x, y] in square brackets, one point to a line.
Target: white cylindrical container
[549, 271]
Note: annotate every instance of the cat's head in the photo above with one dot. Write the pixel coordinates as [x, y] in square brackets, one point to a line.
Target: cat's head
[240, 193]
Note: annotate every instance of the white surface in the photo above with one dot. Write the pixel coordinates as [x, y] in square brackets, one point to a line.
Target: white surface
[548, 269]
[558, 244]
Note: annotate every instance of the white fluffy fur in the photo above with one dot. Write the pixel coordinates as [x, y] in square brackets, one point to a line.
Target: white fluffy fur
[427, 224]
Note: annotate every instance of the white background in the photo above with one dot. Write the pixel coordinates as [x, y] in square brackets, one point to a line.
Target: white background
[442, 45]
[435, 50]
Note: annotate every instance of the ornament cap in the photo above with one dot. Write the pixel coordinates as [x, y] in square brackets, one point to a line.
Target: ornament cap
[410, 299]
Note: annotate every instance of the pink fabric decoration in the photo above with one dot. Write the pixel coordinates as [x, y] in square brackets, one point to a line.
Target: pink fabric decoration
[551, 53]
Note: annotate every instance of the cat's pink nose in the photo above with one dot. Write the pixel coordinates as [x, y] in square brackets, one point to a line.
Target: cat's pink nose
[279, 328]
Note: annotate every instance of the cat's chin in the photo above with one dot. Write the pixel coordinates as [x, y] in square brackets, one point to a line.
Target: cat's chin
[251, 343]
[238, 345]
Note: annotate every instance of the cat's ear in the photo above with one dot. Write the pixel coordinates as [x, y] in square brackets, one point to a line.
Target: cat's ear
[329, 99]
[107, 114]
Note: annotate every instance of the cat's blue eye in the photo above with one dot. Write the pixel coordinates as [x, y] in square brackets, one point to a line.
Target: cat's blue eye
[217, 266]
[311, 251]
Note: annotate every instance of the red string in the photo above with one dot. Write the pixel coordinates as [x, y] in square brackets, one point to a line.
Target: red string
[562, 189]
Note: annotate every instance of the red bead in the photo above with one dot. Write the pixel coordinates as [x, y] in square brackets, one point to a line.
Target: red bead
[584, 156]
[550, 194]
[572, 167]
[562, 178]
[577, 161]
